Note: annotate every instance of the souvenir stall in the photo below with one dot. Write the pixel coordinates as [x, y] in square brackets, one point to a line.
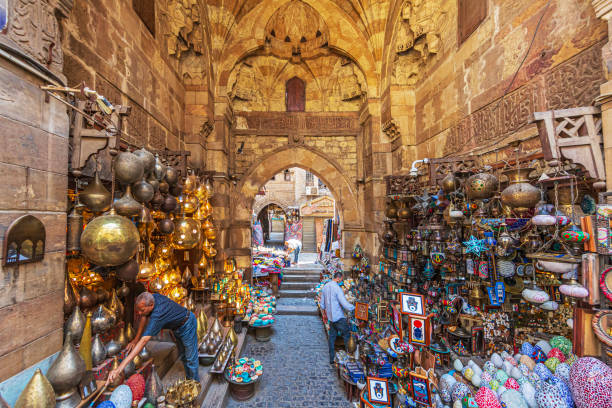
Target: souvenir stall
[492, 290]
[268, 264]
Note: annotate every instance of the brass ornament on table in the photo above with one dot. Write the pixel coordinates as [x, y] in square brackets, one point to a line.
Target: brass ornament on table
[38, 393]
[66, 371]
[231, 335]
[119, 378]
[138, 361]
[351, 346]
[95, 196]
[121, 338]
[129, 332]
[110, 240]
[143, 191]
[144, 354]
[127, 205]
[98, 351]
[128, 271]
[85, 348]
[128, 168]
[112, 348]
[481, 186]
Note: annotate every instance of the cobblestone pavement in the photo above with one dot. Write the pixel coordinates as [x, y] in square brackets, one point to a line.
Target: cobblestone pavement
[297, 373]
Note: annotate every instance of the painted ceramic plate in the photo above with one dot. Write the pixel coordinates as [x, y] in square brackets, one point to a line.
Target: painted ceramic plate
[606, 283]
[602, 322]
[520, 269]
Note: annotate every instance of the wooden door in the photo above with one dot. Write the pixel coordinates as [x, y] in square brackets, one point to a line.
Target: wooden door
[295, 95]
[309, 236]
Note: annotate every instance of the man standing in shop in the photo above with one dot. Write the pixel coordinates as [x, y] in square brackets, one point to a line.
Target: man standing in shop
[333, 302]
[157, 312]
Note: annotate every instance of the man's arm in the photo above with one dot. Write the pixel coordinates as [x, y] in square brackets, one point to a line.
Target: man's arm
[142, 323]
[342, 299]
[137, 349]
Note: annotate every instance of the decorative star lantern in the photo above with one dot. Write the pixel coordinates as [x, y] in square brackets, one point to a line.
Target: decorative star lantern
[475, 246]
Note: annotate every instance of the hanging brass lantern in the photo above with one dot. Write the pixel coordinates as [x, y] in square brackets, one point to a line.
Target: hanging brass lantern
[75, 228]
[143, 191]
[128, 168]
[126, 205]
[38, 393]
[66, 371]
[186, 235]
[146, 271]
[520, 195]
[147, 159]
[128, 271]
[450, 183]
[95, 196]
[481, 186]
[98, 351]
[75, 325]
[110, 240]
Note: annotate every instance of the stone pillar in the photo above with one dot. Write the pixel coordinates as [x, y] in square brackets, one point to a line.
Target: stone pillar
[603, 10]
[34, 133]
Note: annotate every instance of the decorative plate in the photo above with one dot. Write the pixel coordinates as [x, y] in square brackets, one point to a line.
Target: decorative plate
[606, 283]
[602, 326]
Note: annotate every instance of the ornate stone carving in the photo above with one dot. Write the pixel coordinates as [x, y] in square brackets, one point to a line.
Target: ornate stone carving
[391, 130]
[207, 128]
[34, 27]
[439, 168]
[181, 26]
[247, 85]
[271, 123]
[402, 186]
[418, 39]
[295, 31]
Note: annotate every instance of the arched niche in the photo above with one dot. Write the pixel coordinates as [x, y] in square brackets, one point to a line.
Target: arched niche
[24, 241]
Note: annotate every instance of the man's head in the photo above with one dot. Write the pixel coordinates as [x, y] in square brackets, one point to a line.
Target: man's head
[338, 276]
[144, 303]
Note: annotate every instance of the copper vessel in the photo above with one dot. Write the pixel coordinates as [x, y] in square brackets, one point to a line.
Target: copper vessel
[70, 295]
[520, 194]
[128, 168]
[67, 370]
[147, 159]
[85, 348]
[102, 319]
[186, 233]
[38, 393]
[98, 351]
[75, 228]
[128, 271]
[87, 298]
[481, 186]
[110, 240]
[75, 325]
[159, 170]
[126, 205]
[143, 191]
[95, 196]
[169, 204]
[171, 175]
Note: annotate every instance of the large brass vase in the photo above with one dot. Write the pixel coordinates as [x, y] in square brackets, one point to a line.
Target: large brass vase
[520, 194]
[110, 240]
[38, 393]
[481, 186]
[67, 370]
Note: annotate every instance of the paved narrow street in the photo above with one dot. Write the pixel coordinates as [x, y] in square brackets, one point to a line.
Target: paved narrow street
[297, 373]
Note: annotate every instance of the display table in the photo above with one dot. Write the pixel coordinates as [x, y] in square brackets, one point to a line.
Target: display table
[241, 391]
[350, 388]
[263, 333]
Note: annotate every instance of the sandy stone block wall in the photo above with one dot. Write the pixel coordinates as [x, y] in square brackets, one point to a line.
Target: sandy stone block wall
[342, 149]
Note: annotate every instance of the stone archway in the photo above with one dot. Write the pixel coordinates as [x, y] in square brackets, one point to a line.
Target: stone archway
[342, 188]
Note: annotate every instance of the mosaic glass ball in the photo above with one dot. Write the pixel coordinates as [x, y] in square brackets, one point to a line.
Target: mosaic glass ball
[516, 373]
[468, 373]
[476, 380]
[512, 399]
[511, 360]
[552, 363]
[528, 361]
[562, 343]
[542, 371]
[460, 390]
[507, 367]
[497, 360]
[539, 356]
[563, 390]
[458, 365]
[527, 349]
[555, 352]
[106, 404]
[446, 382]
[468, 402]
[122, 397]
[571, 359]
[489, 367]
[494, 384]
[544, 346]
[485, 398]
[485, 379]
[549, 396]
[591, 383]
[563, 372]
[523, 369]
[529, 393]
[501, 376]
[511, 384]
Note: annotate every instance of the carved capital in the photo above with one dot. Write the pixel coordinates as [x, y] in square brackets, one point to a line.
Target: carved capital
[391, 129]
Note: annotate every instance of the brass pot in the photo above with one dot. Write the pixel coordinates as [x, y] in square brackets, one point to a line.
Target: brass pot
[98, 351]
[404, 213]
[38, 393]
[110, 240]
[186, 234]
[143, 191]
[75, 325]
[121, 339]
[171, 175]
[481, 186]
[520, 196]
[128, 168]
[166, 226]
[449, 183]
[128, 271]
[169, 204]
[518, 174]
[391, 210]
[102, 319]
[95, 196]
[112, 348]
[147, 159]
[126, 205]
[67, 370]
[87, 298]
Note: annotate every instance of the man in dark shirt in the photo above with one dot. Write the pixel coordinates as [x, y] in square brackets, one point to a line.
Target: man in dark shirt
[158, 312]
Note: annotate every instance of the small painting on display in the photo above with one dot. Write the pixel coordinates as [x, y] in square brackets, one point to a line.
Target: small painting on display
[361, 311]
[412, 303]
[383, 312]
[378, 391]
[420, 389]
[419, 330]
[397, 321]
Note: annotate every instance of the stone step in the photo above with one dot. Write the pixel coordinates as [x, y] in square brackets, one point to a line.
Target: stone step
[302, 310]
[311, 272]
[301, 278]
[297, 285]
[296, 293]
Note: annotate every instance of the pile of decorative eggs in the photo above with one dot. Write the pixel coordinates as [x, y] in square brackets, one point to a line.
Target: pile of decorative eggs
[258, 320]
[544, 375]
[245, 370]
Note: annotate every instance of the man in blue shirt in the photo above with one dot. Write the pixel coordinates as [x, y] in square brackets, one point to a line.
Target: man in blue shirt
[332, 303]
[158, 312]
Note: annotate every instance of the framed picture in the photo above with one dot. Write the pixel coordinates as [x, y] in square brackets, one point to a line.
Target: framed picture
[397, 321]
[361, 311]
[412, 303]
[383, 312]
[378, 391]
[419, 330]
[420, 389]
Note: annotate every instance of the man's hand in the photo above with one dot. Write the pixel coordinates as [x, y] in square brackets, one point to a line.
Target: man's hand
[130, 346]
[113, 375]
